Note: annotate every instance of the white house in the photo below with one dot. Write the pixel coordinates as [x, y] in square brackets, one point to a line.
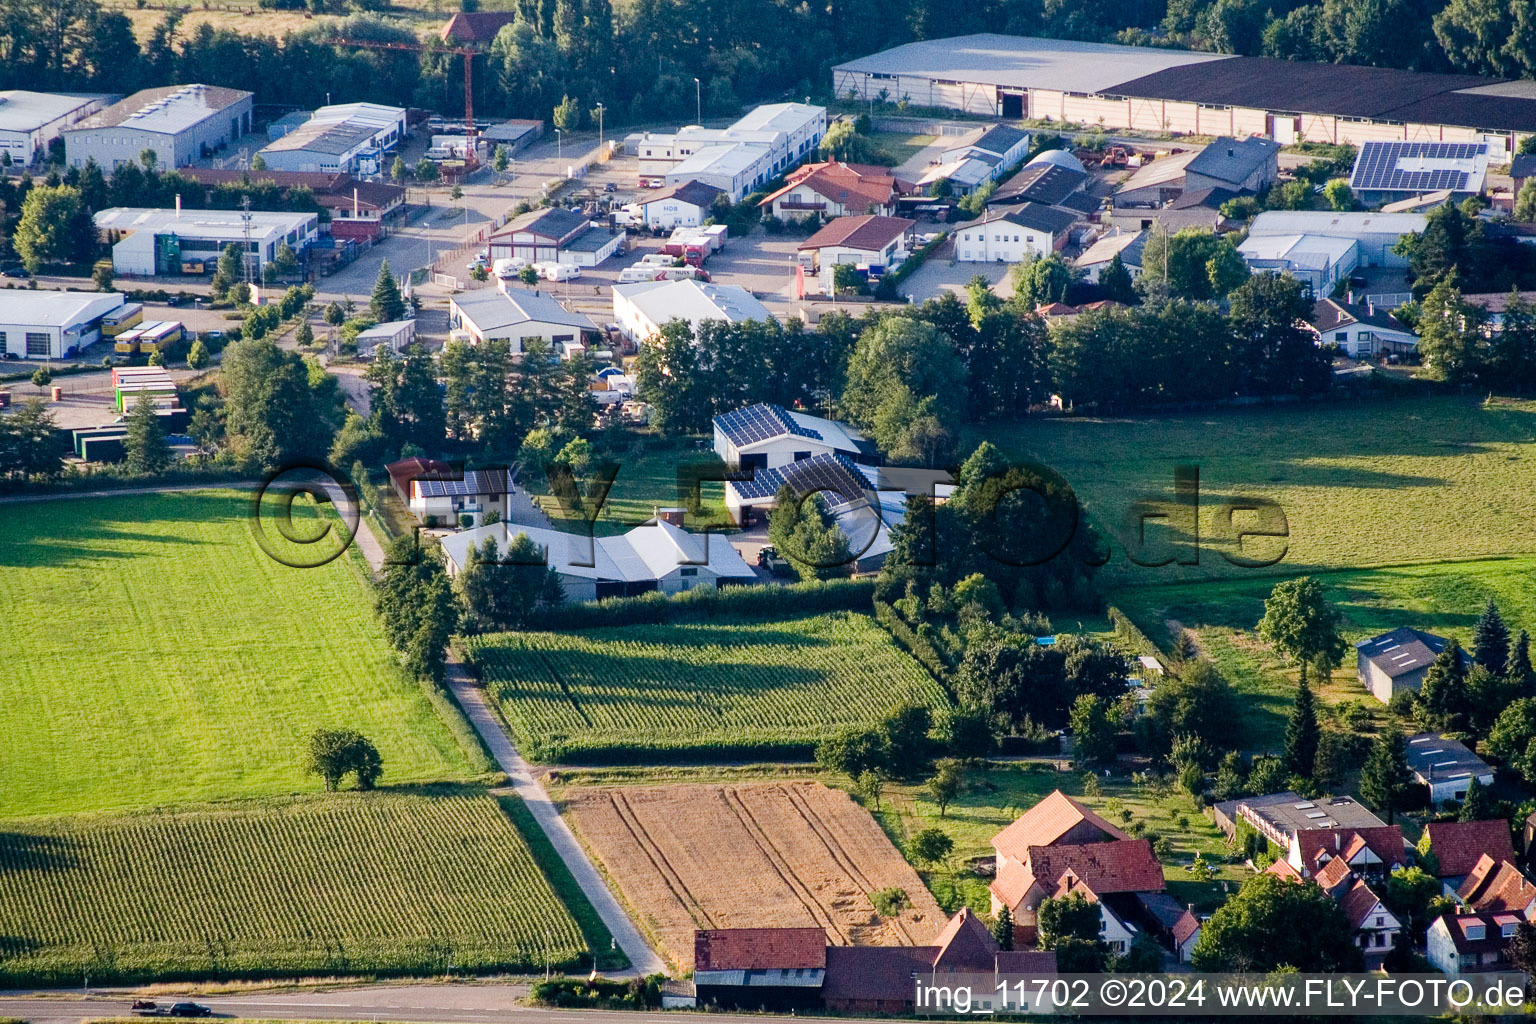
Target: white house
[1128, 245]
[52, 325]
[147, 242]
[1186, 932]
[657, 556]
[872, 243]
[1011, 234]
[641, 309]
[834, 190]
[439, 494]
[1360, 331]
[682, 206]
[1471, 943]
[519, 317]
[1376, 233]
[1319, 261]
[31, 120]
[768, 436]
[1446, 766]
[1000, 147]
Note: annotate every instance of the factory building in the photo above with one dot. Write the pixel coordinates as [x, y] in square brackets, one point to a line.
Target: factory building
[180, 123]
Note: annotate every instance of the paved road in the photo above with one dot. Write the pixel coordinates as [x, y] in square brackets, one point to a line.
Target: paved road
[642, 958]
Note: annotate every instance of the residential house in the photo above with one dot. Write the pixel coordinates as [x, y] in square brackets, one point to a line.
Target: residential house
[873, 244]
[1239, 165]
[831, 190]
[1374, 927]
[1521, 167]
[998, 145]
[1495, 886]
[1396, 661]
[554, 235]
[1385, 171]
[1457, 846]
[643, 308]
[439, 493]
[1127, 245]
[1282, 820]
[1320, 262]
[520, 317]
[1493, 304]
[658, 556]
[1445, 766]
[1360, 331]
[767, 436]
[685, 205]
[1058, 847]
[769, 969]
[1371, 852]
[1011, 234]
[1376, 233]
[1471, 943]
[1186, 932]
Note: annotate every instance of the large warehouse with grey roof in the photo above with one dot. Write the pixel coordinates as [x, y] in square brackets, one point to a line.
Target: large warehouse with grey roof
[1185, 92]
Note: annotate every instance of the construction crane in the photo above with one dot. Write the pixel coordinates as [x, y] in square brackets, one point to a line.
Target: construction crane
[470, 130]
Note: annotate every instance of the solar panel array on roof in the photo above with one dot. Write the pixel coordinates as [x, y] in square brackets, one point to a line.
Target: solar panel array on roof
[834, 476]
[760, 422]
[1416, 166]
[475, 481]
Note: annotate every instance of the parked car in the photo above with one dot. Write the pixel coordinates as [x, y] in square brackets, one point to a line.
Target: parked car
[14, 271]
[508, 267]
[768, 557]
[610, 187]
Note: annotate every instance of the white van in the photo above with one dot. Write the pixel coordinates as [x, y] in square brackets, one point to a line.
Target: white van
[506, 269]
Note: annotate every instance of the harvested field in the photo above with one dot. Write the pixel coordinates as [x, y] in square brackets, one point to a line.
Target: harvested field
[793, 854]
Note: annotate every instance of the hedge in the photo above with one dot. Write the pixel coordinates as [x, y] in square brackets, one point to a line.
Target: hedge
[918, 646]
[1133, 638]
[749, 602]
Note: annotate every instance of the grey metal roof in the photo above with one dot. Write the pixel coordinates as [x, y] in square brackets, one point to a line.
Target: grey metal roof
[1027, 215]
[590, 240]
[1232, 160]
[1024, 62]
[1432, 756]
[22, 111]
[490, 310]
[168, 110]
[1401, 651]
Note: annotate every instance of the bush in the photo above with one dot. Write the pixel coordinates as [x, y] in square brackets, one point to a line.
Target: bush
[637, 993]
[890, 902]
[804, 598]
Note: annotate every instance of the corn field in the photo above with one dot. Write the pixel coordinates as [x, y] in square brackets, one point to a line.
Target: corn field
[731, 689]
[433, 879]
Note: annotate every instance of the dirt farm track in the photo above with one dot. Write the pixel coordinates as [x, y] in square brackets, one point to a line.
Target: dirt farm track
[786, 854]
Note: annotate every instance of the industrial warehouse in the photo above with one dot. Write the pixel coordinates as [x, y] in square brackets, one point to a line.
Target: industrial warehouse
[1185, 92]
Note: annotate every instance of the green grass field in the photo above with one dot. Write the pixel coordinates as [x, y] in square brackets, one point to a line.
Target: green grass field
[430, 879]
[155, 655]
[647, 478]
[1386, 482]
[1444, 598]
[696, 690]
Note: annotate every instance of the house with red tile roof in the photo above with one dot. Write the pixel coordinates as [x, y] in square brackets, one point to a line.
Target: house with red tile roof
[1056, 820]
[1372, 852]
[760, 968]
[1458, 846]
[1496, 886]
[1375, 927]
[835, 190]
[1186, 932]
[875, 243]
[476, 28]
[1471, 943]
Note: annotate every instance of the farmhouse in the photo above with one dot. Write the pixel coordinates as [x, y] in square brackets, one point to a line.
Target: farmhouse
[520, 317]
[180, 123]
[1010, 234]
[1396, 661]
[438, 493]
[149, 242]
[345, 137]
[1371, 851]
[1376, 233]
[656, 556]
[768, 436]
[1127, 245]
[1386, 172]
[1459, 845]
[777, 969]
[642, 308]
[1359, 330]
[1183, 92]
[1445, 766]
[52, 325]
[834, 190]
[874, 244]
[31, 120]
[1497, 886]
[682, 206]
[555, 235]
[1318, 261]
[1471, 943]
[360, 210]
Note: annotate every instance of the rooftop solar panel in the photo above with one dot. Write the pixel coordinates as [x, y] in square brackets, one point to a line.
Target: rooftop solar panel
[1410, 166]
[758, 423]
[838, 479]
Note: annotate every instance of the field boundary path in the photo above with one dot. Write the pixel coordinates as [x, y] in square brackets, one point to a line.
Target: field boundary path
[642, 959]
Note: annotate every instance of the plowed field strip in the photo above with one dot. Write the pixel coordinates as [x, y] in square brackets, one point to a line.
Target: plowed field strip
[658, 859]
[781, 866]
[835, 850]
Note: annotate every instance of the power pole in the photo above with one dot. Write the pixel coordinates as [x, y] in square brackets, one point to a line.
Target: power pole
[245, 223]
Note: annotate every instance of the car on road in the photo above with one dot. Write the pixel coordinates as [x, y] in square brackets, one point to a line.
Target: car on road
[190, 1010]
[610, 187]
[150, 1008]
[18, 271]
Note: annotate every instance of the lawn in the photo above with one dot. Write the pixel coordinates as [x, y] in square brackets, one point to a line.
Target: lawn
[155, 655]
[431, 879]
[647, 478]
[1386, 482]
[695, 691]
[1444, 598]
[901, 147]
[995, 797]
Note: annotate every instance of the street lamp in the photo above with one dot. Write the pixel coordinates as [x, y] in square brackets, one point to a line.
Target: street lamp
[599, 126]
[698, 98]
[559, 144]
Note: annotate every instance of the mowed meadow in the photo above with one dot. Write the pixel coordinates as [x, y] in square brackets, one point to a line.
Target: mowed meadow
[156, 655]
[1382, 482]
[718, 689]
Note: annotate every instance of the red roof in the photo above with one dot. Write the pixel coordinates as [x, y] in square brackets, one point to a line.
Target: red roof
[1458, 845]
[1462, 928]
[1184, 927]
[476, 26]
[1012, 883]
[403, 472]
[874, 973]
[870, 232]
[1334, 873]
[1358, 902]
[1385, 841]
[1125, 865]
[1026, 961]
[1282, 869]
[1046, 823]
[857, 189]
[965, 944]
[1494, 886]
[759, 949]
